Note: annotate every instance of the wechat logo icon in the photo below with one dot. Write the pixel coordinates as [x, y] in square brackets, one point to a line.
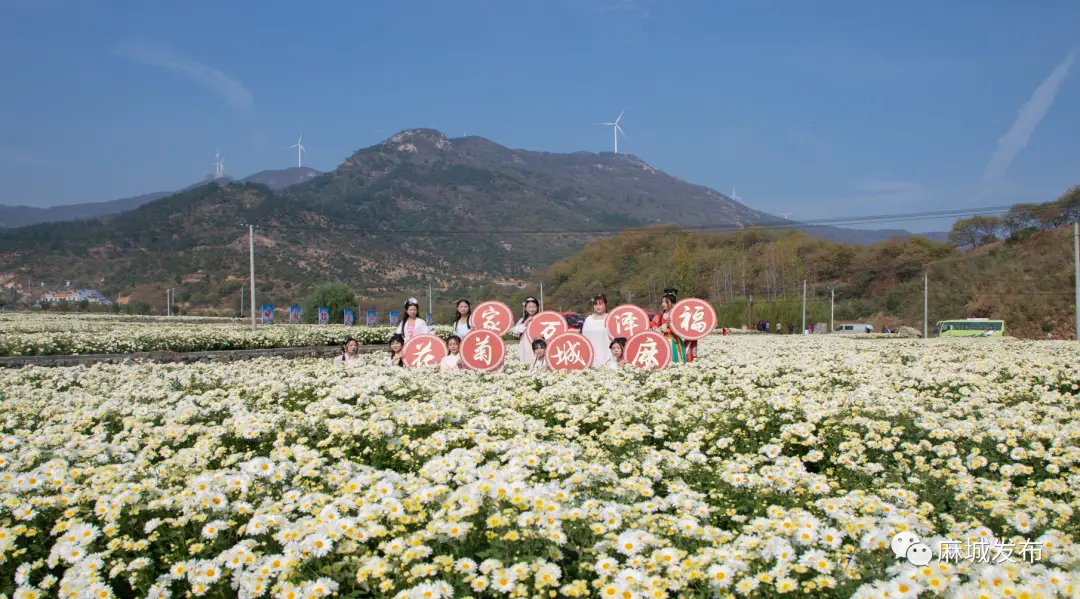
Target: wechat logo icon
[906, 545]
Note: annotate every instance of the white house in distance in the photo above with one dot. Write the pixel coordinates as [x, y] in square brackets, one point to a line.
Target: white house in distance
[75, 296]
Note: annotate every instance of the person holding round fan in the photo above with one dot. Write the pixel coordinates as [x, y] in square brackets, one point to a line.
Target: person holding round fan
[681, 351]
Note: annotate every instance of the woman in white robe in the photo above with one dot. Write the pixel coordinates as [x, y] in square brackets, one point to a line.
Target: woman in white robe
[462, 318]
[594, 328]
[411, 324]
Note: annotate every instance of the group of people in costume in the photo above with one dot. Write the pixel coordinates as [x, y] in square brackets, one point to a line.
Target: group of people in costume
[607, 353]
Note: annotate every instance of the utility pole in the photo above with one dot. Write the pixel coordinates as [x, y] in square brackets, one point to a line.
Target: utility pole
[241, 301]
[804, 304]
[429, 308]
[1076, 276]
[541, 296]
[750, 316]
[251, 249]
[925, 304]
[832, 301]
[168, 302]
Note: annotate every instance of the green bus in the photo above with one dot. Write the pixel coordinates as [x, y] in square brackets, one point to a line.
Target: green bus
[970, 327]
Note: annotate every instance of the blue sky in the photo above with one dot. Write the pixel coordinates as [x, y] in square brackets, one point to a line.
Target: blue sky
[824, 109]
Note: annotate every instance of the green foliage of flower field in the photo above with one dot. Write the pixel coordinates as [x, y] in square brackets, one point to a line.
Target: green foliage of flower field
[774, 465]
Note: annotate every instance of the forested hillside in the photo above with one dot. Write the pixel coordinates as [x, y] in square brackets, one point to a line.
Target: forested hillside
[1019, 268]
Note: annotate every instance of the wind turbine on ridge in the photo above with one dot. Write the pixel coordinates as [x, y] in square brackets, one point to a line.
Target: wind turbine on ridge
[219, 165]
[299, 148]
[616, 130]
[785, 215]
[733, 196]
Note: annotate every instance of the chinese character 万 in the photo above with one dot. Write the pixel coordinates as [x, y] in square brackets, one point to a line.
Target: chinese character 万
[646, 355]
[482, 352]
[569, 354]
[549, 329]
[694, 321]
[423, 356]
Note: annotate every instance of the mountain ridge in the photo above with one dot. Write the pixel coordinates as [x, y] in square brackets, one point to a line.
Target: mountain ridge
[19, 215]
[414, 209]
[14, 216]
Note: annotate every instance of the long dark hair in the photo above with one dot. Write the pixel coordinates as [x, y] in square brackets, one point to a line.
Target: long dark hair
[346, 344]
[453, 338]
[405, 313]
[524, 312]
[457, 315]
[670, 295]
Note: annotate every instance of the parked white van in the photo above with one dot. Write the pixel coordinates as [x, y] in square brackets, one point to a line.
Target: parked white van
[854, 328]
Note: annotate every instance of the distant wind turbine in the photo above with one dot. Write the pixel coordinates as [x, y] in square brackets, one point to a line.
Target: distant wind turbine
[616, 130]
[219, 165]
[299, 148]
[785, 215]
[733, 196]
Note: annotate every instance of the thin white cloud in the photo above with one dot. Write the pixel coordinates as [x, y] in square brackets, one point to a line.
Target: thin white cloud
[160, 55]
[1031, 114]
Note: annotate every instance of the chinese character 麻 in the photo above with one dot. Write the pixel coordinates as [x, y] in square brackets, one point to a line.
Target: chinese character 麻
[646, 355]
[951, 551]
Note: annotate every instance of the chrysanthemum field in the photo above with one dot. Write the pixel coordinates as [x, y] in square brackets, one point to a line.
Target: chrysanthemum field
[51, 334]
[774, 465]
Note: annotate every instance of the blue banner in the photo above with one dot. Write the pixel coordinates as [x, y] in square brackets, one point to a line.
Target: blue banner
[393, 318]
[324, 315]
[372, 318]
[427, 318]
[348, 318]
[294, 315]
[267, 314]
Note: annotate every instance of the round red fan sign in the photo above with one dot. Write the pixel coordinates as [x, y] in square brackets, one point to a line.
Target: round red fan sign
[693, 319]
[649, 350]
[569, 351]
[493, 316]
[626, 320]
[482, 350]
[546, 325]
[424, 350]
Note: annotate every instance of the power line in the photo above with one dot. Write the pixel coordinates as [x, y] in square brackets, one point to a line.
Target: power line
[651, 229]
